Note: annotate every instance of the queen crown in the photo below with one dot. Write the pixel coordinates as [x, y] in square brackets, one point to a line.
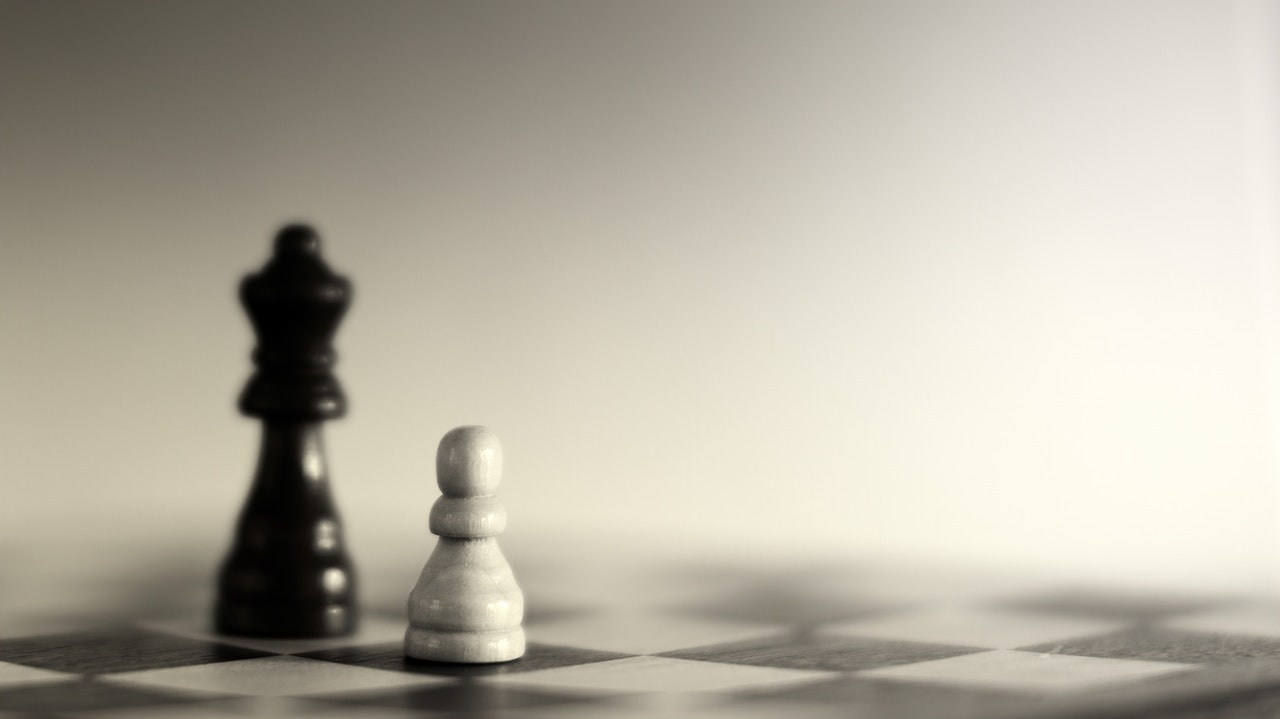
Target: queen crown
[295, 304]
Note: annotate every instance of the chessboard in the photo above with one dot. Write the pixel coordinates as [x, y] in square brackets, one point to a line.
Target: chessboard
[704, 641]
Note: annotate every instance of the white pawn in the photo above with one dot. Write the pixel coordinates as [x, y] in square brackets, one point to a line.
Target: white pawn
[466, 606]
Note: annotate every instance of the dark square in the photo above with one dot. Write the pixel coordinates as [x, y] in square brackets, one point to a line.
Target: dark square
[464, 696]
[863, 696]
[116, 650]
[1235, 707]
[391, 656]
[81, 695]
[1093, 604]
[785, 605]
[843, 654]
[1167, 645]
[803, 596]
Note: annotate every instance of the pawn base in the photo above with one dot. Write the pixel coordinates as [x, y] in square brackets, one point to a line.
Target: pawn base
[435, 645]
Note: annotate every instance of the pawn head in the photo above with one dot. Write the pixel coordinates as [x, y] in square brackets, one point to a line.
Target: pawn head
[469, 462]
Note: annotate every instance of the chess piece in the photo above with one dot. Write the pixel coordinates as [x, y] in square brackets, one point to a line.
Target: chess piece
[466, 606]
[288, 574]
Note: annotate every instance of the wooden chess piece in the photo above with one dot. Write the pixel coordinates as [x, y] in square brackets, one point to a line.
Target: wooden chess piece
[466, 606]
[288, 573]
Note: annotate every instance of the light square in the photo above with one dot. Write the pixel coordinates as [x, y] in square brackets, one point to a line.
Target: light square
[1256, 620]
[271, 676]
[12, 674]
[1028, 671]
[988, 629]
[236, 707]
[661, 674]
[641, 632]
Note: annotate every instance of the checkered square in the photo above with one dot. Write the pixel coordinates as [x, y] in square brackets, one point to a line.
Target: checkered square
[806, 645]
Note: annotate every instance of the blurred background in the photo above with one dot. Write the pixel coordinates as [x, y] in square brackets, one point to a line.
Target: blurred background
[986, 282]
